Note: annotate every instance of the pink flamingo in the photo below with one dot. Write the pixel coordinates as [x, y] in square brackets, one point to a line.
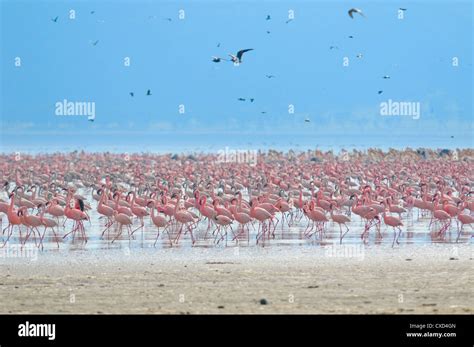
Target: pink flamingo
[395, 223]
[76, 215]
[186, 219]
[13, 219]
[262, 215]
[138, 211]
[48, 223]
[341, 220]
[105, 211]
[159, 221]
[122, 219]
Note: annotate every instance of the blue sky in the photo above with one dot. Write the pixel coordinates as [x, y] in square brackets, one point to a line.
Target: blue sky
[173, 59]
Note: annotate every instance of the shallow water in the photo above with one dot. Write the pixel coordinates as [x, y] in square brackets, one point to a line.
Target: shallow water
[415, 231]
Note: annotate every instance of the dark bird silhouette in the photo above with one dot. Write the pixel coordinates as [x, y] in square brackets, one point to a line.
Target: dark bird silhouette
[351, 37]
[218, 44]
[132, 94]
[270, 76]
[452, 136]
[241, 99]
[380, 92]
[217, 59]
[268, 31]
[55, 20]
[386, 77]
[148, 92]
[402, 9]
[252, 99]
[95, 43]
[289, 20]
[92, 12]
[268, 17]
[333, 47]
[263, 112]
[355, 10]
[168, 19]
[238, 58]
[307, 120]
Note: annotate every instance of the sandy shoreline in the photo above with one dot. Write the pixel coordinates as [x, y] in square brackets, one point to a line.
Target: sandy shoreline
[437, 279]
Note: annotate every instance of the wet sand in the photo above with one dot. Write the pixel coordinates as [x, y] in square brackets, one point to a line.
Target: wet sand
[411, 278]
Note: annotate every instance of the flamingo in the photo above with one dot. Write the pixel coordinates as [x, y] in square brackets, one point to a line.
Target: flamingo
[341, 220]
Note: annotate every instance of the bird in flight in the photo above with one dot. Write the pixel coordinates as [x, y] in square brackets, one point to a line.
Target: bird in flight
[289, 20]
[217, 59]
[380, 92]
[238, 58]
[307, 120]
[55, 20]
[333, 47]
[95, 43]
[148, 92]
[402, 9]
[92, 12]
[241, 99]
[386, 77]
[268, 31]
[252, 99]
[132, 94]
[218, 44]
[355, 10]
[168, 19]
[268, 17]
[351, 37]
[270, 76]
[359, 55]
[263, 112]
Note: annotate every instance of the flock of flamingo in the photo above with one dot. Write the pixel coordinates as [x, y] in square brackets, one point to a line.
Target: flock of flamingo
[54, 195]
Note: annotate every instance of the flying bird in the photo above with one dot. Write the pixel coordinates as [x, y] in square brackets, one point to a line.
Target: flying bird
[218, 44]
[252, 99]
[132, 94]
[386, 77]
[289, 20]
[263, 112]
[359, 55]
[355, 10]
[268, 31]
[148, 92]
[241, 99]
[217, 59]
[238, 58]
[270, 76]
[92, 12]
[380, 92]
[333, 47]
[307, 120]
[95, 43]
[402, 9]
[268, 17]
[168, 19]
[350, 36]
[55, 20]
